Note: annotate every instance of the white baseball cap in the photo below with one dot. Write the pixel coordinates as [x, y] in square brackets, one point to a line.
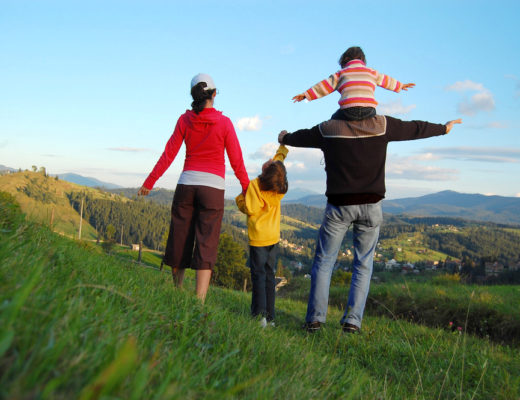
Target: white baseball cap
[203, 78]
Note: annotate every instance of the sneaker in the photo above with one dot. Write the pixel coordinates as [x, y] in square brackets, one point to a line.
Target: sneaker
[271, 324]
[263, 322]
[349, 328]
[312, 326]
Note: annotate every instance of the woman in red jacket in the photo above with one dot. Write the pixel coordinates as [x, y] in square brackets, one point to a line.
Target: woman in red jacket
[198, 203]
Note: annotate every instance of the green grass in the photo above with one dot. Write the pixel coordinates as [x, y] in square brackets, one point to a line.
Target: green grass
[487, 311]
[76, 323]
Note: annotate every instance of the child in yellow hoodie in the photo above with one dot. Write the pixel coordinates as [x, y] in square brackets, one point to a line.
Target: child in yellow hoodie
[261, 203]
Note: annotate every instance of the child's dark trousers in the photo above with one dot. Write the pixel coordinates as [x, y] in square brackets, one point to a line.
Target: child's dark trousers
[354, 113]
[263, 270]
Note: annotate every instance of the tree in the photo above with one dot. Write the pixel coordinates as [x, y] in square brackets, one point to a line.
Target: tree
[34, 168]
[110, 231]
[230, 270]
[283, 271]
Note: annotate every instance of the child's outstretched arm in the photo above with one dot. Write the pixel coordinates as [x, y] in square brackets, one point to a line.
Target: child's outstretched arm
[389, 83]
[321, 89]
[281, 153]
[298, 98]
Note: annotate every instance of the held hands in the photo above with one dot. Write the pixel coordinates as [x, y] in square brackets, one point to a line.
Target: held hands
[450, 124]
[407, 86]
[143, 191]
[298, 98]
[280, 136]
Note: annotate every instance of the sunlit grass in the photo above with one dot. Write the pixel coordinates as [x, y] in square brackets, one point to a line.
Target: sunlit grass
[76, 323]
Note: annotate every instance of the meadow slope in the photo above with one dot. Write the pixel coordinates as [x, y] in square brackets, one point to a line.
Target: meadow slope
[77, 323]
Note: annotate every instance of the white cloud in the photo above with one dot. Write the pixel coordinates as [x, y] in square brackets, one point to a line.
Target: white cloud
[265, 152]
[517, 83]
[249, 123]
[398, 167]
[297, 156]
[463, 86]
[491, 125]
[395, 108]
[485, 154]
[129, 149]
[302, 164]
[295, 165]
[425, 157]
[483, 100]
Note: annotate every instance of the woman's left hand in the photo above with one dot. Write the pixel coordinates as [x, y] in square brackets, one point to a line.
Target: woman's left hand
[143, 191]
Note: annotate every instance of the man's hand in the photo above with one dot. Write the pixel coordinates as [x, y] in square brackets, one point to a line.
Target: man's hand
[407, 86]
[143, 191]
[298, 98]
[280, 136]
[450, 124]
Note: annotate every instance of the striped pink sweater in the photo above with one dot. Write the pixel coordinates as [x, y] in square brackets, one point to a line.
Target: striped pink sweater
[356, 83]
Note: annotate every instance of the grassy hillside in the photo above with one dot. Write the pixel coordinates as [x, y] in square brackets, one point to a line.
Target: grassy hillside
[40, 196]
[411, 247]
[487, 311]
[76, 323]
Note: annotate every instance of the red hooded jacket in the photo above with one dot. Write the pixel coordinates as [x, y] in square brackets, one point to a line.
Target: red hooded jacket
[206, 135]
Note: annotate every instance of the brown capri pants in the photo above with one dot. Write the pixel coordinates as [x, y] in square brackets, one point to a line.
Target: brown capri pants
[195, 227]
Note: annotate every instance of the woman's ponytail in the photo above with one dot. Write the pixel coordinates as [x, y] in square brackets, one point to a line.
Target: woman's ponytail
[200, 96]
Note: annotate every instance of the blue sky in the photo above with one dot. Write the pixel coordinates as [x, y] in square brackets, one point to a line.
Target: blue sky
[96, 87]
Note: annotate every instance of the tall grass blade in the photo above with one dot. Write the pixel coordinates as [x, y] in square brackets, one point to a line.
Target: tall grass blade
[114, 374]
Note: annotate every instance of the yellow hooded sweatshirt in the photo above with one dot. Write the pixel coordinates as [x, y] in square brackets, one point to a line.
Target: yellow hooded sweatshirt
[263, 210]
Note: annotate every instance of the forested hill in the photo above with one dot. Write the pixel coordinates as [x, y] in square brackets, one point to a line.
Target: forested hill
[159, 196]
[130, 220]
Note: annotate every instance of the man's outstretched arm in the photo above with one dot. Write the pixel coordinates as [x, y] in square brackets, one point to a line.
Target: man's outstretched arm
[302, 138]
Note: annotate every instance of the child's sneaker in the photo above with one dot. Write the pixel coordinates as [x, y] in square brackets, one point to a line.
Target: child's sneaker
[263, 322]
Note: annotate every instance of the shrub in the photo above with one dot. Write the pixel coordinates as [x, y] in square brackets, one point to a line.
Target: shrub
[108, 245]
[446, 279]
[10, 213]
[340, 278]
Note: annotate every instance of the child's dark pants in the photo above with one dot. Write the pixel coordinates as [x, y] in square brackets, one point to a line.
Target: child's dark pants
[354, 113]
[263, 269]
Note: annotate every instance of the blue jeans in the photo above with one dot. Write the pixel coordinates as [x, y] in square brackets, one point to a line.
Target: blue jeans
[367, 219]
[263, 270]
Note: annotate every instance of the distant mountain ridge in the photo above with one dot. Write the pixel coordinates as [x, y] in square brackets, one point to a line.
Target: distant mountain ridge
[478, 207]
[4, 168]
[298, 193]
[448, 203]
[86, 181]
